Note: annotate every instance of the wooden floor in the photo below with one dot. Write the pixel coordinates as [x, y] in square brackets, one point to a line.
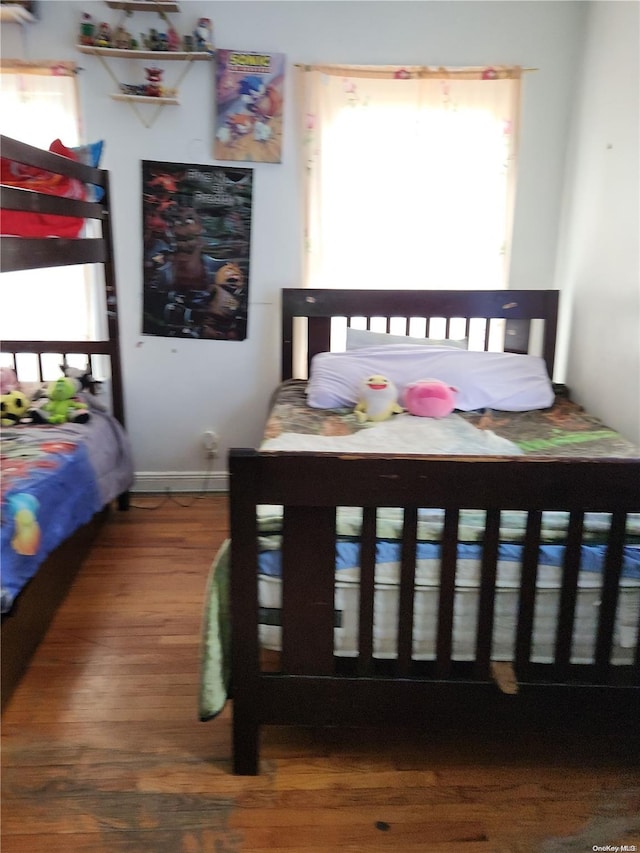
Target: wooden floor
[102, 750]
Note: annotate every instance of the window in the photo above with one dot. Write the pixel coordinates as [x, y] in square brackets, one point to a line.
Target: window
[39, 104]
[409, 176]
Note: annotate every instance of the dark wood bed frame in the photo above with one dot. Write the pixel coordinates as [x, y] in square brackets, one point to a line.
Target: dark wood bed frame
[312, 686]
[31, 615]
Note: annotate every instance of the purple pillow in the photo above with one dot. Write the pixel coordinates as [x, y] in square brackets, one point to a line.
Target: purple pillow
[494, 380]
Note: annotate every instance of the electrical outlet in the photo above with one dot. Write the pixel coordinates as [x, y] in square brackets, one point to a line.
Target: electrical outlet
[210, 443]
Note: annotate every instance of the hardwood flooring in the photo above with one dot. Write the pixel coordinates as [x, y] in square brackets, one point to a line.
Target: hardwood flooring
[102, 751]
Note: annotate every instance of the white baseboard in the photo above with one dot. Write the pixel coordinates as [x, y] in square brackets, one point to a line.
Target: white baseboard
[180, 481]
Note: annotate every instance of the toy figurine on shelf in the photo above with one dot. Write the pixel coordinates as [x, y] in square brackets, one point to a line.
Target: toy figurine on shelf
[151, 40]
[173, 39]
[103, 35]
[154, 82]
[122, 38]
[203, 35]
[136, 89]
[87, 29]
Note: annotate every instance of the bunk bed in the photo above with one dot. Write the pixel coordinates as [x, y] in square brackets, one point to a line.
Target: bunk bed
[59, 480]
[369, 588]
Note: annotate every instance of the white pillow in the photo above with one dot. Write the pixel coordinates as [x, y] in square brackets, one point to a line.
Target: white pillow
[358, 338]
[495, 380]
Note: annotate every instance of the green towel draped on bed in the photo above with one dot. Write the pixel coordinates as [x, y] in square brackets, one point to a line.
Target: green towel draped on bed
[216, 639]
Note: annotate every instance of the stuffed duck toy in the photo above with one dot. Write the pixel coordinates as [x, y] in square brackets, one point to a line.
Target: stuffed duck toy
[378, 399]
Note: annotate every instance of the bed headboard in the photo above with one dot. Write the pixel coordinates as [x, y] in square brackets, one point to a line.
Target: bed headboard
[516, 307]
[26, 252]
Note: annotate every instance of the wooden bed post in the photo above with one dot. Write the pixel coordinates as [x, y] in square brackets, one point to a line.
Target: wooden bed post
[244, 611]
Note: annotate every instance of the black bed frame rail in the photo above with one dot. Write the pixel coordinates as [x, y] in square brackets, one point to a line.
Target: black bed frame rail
[316, 687]
[319, 306]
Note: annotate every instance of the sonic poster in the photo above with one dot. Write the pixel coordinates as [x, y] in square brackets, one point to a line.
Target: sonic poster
[197, 239]
[249, 97]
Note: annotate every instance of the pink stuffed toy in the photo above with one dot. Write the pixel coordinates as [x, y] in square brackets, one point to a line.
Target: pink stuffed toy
[430, 398]
[8, 380]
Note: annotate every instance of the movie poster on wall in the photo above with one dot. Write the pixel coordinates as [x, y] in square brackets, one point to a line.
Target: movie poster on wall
[197, 242]
[249, 100]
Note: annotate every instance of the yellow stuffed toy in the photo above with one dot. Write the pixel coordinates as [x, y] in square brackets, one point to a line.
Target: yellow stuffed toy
[13, 407]
[378, 399]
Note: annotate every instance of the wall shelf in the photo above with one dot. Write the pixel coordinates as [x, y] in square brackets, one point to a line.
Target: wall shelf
[158, 55]
[15, 13]
[107, 53]
[144, 99]
[142, 6]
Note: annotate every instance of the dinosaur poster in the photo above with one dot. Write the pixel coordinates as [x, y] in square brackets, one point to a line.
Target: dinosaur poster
[249, 100]
[197, 242]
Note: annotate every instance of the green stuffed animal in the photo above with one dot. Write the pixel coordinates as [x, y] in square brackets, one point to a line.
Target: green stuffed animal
[61, 407]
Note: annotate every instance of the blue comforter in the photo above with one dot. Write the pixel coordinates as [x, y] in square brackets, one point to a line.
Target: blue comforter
[54, 479]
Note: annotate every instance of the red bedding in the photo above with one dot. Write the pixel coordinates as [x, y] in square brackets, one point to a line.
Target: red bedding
[27, 224]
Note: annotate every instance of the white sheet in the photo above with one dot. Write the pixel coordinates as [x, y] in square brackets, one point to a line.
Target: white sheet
[406, 435]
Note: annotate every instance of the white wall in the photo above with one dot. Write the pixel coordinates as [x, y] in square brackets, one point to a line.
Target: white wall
[177, 388]
[599, 257]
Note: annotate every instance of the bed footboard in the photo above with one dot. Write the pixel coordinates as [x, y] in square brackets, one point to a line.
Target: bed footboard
[314, 685]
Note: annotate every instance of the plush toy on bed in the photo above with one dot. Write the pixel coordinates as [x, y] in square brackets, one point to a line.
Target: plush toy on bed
[8, 380]
[378, 399]
[430, 398]
[84, 379]
[13, 407]
[61, 407]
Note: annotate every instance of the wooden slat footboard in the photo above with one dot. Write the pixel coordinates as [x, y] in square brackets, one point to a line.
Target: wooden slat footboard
[316, 687]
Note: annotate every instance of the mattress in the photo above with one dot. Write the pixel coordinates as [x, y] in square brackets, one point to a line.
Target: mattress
[54, 479]
[467, 584]
[562, 430]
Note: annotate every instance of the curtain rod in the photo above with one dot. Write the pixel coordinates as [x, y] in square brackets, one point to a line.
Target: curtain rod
[415, 67]
[412, 69]
[40, 66]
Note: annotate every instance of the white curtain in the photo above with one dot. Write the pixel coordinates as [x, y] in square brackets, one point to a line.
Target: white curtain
[408, 176]
[38, 104]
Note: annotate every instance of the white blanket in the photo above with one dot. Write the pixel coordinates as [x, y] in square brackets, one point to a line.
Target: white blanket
[405, 435]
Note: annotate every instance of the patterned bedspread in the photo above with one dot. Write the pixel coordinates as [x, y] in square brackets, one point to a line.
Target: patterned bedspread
[565, 429]
[54, 479]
